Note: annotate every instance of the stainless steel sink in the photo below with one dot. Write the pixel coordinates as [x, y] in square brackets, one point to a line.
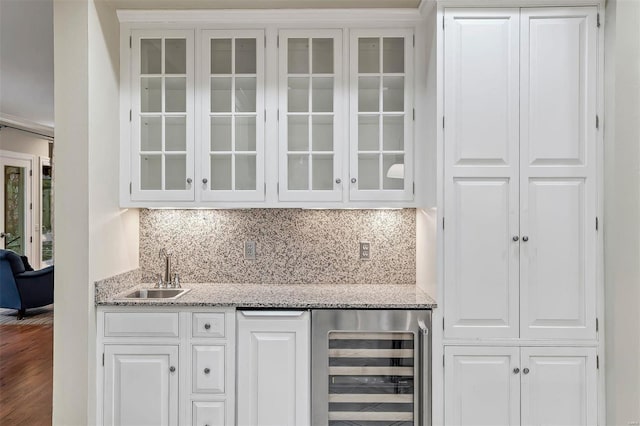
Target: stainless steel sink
[158, 293]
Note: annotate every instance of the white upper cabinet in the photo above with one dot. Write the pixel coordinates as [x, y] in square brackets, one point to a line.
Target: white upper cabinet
[481, 173]
[520, 173]
[381, 116]
[310, 115]
[162, 115]
[232, 148]
[558, 172]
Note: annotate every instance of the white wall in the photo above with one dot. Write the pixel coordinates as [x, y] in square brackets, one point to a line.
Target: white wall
[26, 60]
[94, 238]
[622, 212]
[28, 143]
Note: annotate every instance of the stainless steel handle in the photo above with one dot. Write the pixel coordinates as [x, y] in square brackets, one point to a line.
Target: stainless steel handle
[353, 180]
[207, 371]
[423, 412]
[205, 180]
[515, 238]
[516, 370]
[207, 326]
[525, 370]
[261, 313]
[189, 180]
[338, 180]
[172, 369]
[525, 238]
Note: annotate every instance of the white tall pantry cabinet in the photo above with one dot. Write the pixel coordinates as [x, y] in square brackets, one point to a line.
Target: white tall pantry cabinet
[520, 210]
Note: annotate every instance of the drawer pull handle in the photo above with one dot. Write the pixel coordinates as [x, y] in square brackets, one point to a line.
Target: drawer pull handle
[172, 369]
[207, 326]
[207, 371]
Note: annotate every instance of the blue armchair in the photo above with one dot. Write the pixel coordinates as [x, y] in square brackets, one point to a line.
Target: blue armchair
[21, 289]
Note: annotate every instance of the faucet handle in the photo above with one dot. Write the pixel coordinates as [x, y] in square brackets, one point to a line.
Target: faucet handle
[176, 281]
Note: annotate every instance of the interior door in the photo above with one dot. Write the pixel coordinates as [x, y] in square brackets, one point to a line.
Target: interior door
[558, 173]
[15, 205]
[481, 173]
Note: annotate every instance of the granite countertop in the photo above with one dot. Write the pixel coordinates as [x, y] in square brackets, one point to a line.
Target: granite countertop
[281, 296]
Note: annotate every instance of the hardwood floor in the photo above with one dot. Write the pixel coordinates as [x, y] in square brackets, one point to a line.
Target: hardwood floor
[26, 374]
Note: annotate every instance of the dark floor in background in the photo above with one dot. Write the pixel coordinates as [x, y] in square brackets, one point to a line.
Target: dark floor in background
[26, 374]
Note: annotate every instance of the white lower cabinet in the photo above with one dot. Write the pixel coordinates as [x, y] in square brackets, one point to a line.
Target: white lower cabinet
[273, 368]
[140, 385]
[520, 386]
[166, 367]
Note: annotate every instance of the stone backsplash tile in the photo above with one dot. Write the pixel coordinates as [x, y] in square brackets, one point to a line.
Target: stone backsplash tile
[294, 246]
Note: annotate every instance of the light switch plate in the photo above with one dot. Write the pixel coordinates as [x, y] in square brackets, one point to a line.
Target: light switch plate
[365, 250]
[250, 250]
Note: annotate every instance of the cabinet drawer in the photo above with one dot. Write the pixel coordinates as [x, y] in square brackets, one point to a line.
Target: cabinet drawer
[208, 324]
[141, 324]
[207, 369]
[208, 413]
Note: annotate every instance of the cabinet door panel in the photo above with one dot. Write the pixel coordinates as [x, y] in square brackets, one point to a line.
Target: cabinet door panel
[481, 258]
[558, 90]
[208, 413]
[481, 87]
[140, 389]
[273, 378]
[557, 278]
[560, 388]
[481, 388]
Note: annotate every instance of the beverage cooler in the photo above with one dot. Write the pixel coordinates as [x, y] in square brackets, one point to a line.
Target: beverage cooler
[370, 367]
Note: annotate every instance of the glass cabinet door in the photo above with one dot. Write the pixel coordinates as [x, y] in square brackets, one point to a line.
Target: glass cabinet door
[381, 115]
[162, 115]
[233, 120]
[310, 115]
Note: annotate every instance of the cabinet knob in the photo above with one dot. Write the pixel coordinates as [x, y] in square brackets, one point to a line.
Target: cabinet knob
[189, 180]
[207, 326]
[516, 370]
[525, 370]
[172, 369]
[353, 180]
[207, 371]
[525, 238]
[515, 238]
[205, 180]
[338, 180]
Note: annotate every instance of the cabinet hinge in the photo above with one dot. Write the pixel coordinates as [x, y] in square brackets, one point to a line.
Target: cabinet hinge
[278, 188]
[103, 359]
[443, 323]
[130, 115]
[598, 20]
[30, 172]
[265, 188]
[443, 223]
[414, 40]
[265, 115]
[30, 206]
[414, 114]
[443, 22]
[278, 115]
[597, 122]
[596, 223]
[597, 362]
[414, 188]
[130, 42]
[597, 325]
[443, 360]
[129, 187]
[30, 239]
[443, 121]
[278, 41]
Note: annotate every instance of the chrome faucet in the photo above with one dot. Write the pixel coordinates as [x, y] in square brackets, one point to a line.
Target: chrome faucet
[165, 282]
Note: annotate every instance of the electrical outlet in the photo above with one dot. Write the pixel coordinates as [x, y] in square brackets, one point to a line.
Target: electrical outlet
[250, 250]
[365, 250]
